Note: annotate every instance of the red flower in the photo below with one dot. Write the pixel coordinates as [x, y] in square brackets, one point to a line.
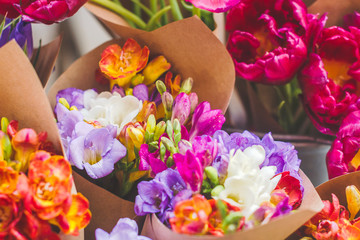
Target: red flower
[291, 187]
[265, 39]
[330, 78]
[47, 12]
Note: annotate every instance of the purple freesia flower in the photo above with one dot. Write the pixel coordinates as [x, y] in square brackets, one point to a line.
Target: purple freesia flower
[74, 96]
[22, 33]
[141, 92]
[280, 154]
[157, 195]
[95, 149]
[206, 121]
[125, 228]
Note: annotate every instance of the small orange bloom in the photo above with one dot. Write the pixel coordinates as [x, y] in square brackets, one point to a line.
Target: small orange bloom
[155, 69]
[121, 64]
[191, 216]
[173, 85]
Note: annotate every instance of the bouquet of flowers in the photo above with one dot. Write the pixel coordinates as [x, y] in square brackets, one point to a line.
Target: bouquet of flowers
[338, 219]
[227, 184]
[104, 131]
[37, 194]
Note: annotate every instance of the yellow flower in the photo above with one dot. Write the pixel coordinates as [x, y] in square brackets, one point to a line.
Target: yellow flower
[155, 69]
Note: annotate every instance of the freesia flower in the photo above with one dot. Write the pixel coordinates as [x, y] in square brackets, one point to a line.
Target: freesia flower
[343, 156]
[154, 69]
[107, 108]
[172, 85]
[352, 20]
[50, 184]
[206, 121]
[73, 96]
[329, 79]
[265, 39]
[11, 214]
[96, 150]
[191, 216]
[21, 32]
[121, 64]
[214, 6]
[125, 228]
[38, 11]
[247, 185]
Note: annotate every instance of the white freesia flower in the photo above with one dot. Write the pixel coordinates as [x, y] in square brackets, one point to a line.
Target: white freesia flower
[246, 185]
[110, 108]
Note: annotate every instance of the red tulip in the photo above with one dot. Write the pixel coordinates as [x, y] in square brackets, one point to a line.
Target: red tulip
[47, 12]
[266, 39]
[330, 78]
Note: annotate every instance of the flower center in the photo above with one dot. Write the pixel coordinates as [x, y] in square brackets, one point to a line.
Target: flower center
[337, 71]
[45, 191]
[265, 42]
[92, 156]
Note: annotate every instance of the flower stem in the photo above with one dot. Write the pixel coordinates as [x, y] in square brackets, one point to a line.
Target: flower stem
[154, 6]
[175, 9]
[152, 22]
[121, 11]
[196, 11]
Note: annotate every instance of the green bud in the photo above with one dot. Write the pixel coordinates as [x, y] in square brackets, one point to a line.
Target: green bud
[222, 208]
[137, 79]
[167, 100]
[217, 190]
[160, 85]
[231, 221]
[6, 147]
[64, 102]
[177, 138]
[168, 144]
[212, 174]
[169, 129]
[162, 151]
[159, 130]
[151, 124]
[186, 85]
[170, 162]
[176, 126]
[4, 124]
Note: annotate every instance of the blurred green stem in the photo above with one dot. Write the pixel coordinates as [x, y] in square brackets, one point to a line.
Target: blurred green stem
[121, 11]
[175, 9]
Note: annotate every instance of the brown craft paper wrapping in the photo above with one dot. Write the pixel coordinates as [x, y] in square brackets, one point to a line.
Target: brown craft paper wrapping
[23, 98]
[277, 229]
[199, 55]
[44, 59]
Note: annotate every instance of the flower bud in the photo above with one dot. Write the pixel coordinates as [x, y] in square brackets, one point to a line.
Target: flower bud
[162, 151]
[155, 69]
[170, 162]
[169, 145]
[151, 124]
[212, 175]
[160, 85]
[136, 135]
[193, 101]
[353, 200]
[167, 101]
[159, 130]
[4, 124]
[217, 190]
[186, 85]
[169, 129]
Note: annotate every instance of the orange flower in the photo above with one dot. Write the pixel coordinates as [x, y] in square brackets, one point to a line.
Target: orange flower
[155, 69]
[76, 217]
[147, 109]
[191, 216]
[8, 179]
[50, 182]
[172, 85]
[121, 64]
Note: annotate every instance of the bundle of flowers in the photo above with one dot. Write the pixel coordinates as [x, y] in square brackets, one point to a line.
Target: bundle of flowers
[221, 183]
[339, 217]
[36, 186]
[136, 101]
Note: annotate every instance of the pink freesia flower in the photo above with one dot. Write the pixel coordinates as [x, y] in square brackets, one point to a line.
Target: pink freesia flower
[47, 12]
[352, 19]
[330, 78]
[214, 5]
[265, 39]
[343, 156]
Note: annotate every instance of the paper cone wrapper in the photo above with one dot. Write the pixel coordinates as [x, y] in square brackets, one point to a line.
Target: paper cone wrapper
[277, 229]
[44, 59]
[335, 10]
[337, 186]
[23, 98]
[200, 56]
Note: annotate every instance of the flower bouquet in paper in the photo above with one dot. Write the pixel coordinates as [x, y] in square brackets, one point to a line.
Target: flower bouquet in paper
[37, 193]
[142, 83]
[339, 217]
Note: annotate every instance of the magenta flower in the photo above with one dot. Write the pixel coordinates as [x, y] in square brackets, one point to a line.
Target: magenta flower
[206, 121]
[265, 39]
[352, 20]
[329, 79]
[343, 156]
[150, 161]
[182, 108]
[47, 12]
[190, 169]
[214, 6]
[205, 149]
